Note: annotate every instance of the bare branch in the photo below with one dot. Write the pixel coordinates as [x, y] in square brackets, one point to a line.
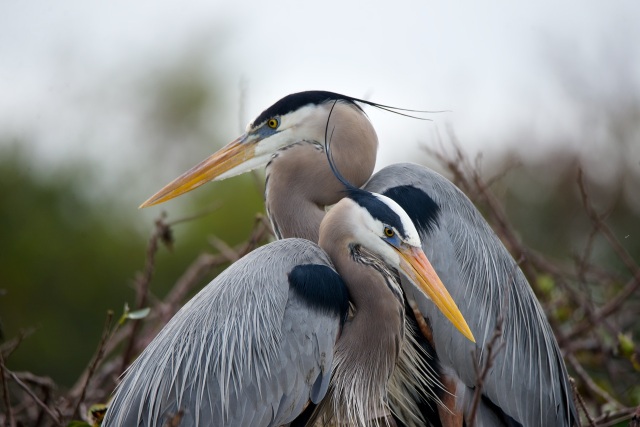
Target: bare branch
[578, 398]
[491, 350]
[97, 358]
[591, 385]
[7, 348]
[5, 393]
[610, 419]
[608, 234]
[161, 231]
[55, 417]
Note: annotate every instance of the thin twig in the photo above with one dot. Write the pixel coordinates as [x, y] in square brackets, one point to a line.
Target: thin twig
[142, 285]
[615, 303]
[492, 349]
[224, 248]
[5, 392]
[42, 382]
[204, 212]
[112, 369]
[620, 251]
[55, 417]
[616, 417]
[106, 333]
[590, 384]
[578, 398]
[7, 348]
[607, 310]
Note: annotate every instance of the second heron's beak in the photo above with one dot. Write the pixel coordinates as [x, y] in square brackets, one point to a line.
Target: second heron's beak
[234, 154]
[416, 266]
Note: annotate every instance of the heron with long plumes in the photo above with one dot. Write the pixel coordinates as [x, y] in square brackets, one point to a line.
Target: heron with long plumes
[273, 336]
[528, 383]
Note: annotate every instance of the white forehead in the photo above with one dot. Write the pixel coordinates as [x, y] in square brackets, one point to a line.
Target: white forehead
[301, 114]
[413, 238]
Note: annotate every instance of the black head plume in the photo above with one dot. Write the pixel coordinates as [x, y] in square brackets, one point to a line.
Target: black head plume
[298, 100]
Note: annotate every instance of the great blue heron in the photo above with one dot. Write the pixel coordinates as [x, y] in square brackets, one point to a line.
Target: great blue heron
[271, 332]
[527, 383]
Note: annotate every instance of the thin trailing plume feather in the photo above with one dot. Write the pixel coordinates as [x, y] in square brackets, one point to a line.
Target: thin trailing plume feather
[329, 153]
[396, 110]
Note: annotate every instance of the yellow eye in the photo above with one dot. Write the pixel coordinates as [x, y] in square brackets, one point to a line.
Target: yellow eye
[388, 232]
[273, 123]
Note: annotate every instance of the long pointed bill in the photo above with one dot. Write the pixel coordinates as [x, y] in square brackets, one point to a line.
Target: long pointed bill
[233, 154]
[416, 265]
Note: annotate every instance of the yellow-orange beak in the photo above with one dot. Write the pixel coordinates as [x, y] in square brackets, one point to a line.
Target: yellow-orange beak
[233, 154]
[416, 266]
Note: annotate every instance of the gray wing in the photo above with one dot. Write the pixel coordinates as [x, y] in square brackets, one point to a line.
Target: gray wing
[247, 350]
[528, 380]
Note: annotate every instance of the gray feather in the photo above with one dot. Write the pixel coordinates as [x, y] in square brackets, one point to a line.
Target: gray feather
[245, 351]
[528, 380]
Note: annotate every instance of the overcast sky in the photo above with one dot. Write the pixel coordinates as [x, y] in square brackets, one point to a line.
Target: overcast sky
[490, 63]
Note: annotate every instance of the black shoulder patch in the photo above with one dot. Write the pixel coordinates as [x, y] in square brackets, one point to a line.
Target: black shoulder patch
[321, 288]
[422, 209]
[376, 208]
[297, 100]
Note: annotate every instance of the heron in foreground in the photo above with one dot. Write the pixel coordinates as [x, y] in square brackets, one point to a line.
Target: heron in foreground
[271, 333]
[527, 384]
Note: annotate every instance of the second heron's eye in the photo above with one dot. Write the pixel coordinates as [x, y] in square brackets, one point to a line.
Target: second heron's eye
[273, 123]
[389, 232]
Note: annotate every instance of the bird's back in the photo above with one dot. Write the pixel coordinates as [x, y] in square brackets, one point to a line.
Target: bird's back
[528, 383]
[247, 350]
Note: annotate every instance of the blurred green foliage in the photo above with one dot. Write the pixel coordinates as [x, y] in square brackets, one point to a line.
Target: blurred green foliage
[65, 260]
[71, 242]
[62, 262]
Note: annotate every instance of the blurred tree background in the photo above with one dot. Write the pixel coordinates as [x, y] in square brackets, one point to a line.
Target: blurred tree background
[72, 242]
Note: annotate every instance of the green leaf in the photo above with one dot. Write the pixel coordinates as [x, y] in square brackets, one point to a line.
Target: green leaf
[76, 423]
[625, 344]
[139, 314]
[132, 315]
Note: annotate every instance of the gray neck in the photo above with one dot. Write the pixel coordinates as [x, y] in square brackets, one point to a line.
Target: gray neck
[300, 182]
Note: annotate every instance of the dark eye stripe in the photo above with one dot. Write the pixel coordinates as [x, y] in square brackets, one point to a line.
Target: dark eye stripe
[378, 209]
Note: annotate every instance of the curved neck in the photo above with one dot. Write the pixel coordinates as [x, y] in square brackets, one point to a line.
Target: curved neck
[300, 183]
[371, 341]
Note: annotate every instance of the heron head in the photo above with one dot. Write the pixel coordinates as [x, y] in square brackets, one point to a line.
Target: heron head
[297, 117]
[384, 229]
